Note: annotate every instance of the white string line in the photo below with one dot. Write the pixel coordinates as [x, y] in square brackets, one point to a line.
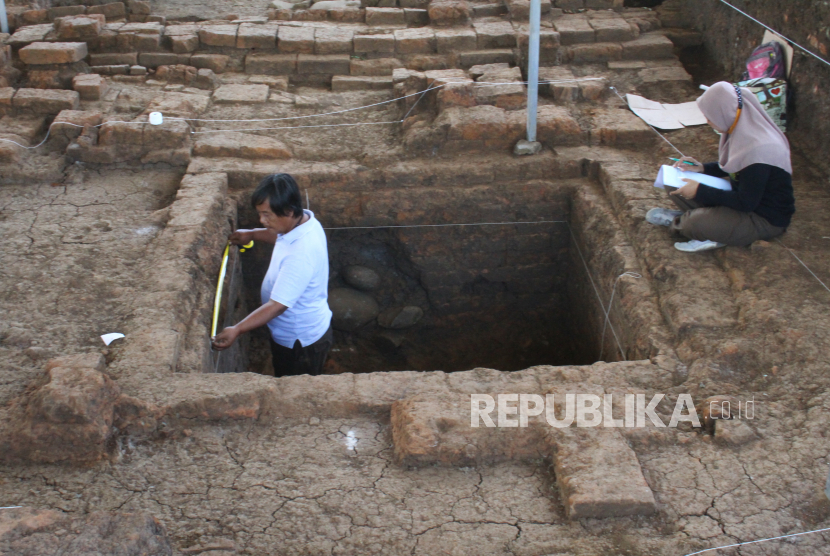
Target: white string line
[608, 311]
[648, 124]
[819, 58]
[803, 264]
[759, 540]
[431, 88]
[447, 225]
[596, 291]
[10, 507]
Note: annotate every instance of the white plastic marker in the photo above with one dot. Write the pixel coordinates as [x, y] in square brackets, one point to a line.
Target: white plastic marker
[156, 118]
[111, 337]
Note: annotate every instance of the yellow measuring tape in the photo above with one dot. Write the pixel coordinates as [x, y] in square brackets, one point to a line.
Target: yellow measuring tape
[218, 300]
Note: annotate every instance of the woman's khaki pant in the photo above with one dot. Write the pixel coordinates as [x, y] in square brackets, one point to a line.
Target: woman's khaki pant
[721, 224]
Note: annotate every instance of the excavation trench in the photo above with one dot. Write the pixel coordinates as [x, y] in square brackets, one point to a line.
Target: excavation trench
[490, 276]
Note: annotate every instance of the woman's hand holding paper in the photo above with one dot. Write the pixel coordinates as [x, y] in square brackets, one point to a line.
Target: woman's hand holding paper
[688, 191]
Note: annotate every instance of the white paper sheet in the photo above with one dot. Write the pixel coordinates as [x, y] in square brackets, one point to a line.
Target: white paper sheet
[666, 116]
[111, 337]
[672, 177]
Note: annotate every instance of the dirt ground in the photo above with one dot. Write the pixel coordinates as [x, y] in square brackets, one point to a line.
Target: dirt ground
[249, 464]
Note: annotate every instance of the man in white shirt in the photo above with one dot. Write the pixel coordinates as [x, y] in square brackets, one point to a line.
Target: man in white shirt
[295, 289]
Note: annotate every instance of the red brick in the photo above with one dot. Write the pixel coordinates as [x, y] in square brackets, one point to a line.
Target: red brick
[449, 12]
[385, 16]
[270, 64]
[40, 53]
[45, 101]
[295, 40]
[218, 35]
[330, 40]
[113, 10]
[374, 43]
[216, 62]
[80, 27]
[328, 64]
[181, 44]
[450, 41]
[257, 36]
[415, 41]
[379, 66]
[650, 46]
[90, 86]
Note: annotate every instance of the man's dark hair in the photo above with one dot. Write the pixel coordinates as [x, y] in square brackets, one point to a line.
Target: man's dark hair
[282, 194]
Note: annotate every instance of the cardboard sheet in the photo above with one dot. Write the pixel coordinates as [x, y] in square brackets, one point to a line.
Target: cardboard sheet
[666, 116]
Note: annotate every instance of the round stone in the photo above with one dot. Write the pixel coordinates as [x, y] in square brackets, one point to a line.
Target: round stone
[351, 309]
[362, 278]
[400, 317]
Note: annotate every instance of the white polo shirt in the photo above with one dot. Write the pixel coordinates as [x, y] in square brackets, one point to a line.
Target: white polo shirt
[298, 277]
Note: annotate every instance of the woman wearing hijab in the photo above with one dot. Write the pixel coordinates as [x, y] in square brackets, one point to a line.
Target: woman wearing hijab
[755, 155]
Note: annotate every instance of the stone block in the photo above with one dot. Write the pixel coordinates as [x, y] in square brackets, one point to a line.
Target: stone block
[216, 62]
[138, 71]
[333, 40]
[451, 41]
[181, 44]
[494, 34]
[181, 29]
[649, 46]
[613, 29]
[113, 10]
[29, 34]
[360, 83]
[41, 53]
[548, 43]
[569, 4]
[263, 37]
[240, 94]
[177, 74]
[90, 86]
[345, 15]
[240, 145]
[479, 57]
[600, 52]
[415, 41]
[384, 44]
[659, 75]
[457, 95]
[449, 12]
[574, 29]
[218, 35]
[375, 67]
[385, 16]
[115, 59]
[271, 64]
[45, 101]
[331, 64]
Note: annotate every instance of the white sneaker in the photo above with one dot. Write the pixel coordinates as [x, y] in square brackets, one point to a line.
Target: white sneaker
[693, 245]
[662, 217]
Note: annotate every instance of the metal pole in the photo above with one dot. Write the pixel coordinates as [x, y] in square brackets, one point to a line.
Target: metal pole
[533, 68]
[4, 22]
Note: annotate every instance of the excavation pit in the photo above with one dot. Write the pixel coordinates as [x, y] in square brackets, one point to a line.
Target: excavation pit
[456, 278]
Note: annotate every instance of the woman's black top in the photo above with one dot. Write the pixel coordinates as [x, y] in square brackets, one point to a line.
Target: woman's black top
[760, 188]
